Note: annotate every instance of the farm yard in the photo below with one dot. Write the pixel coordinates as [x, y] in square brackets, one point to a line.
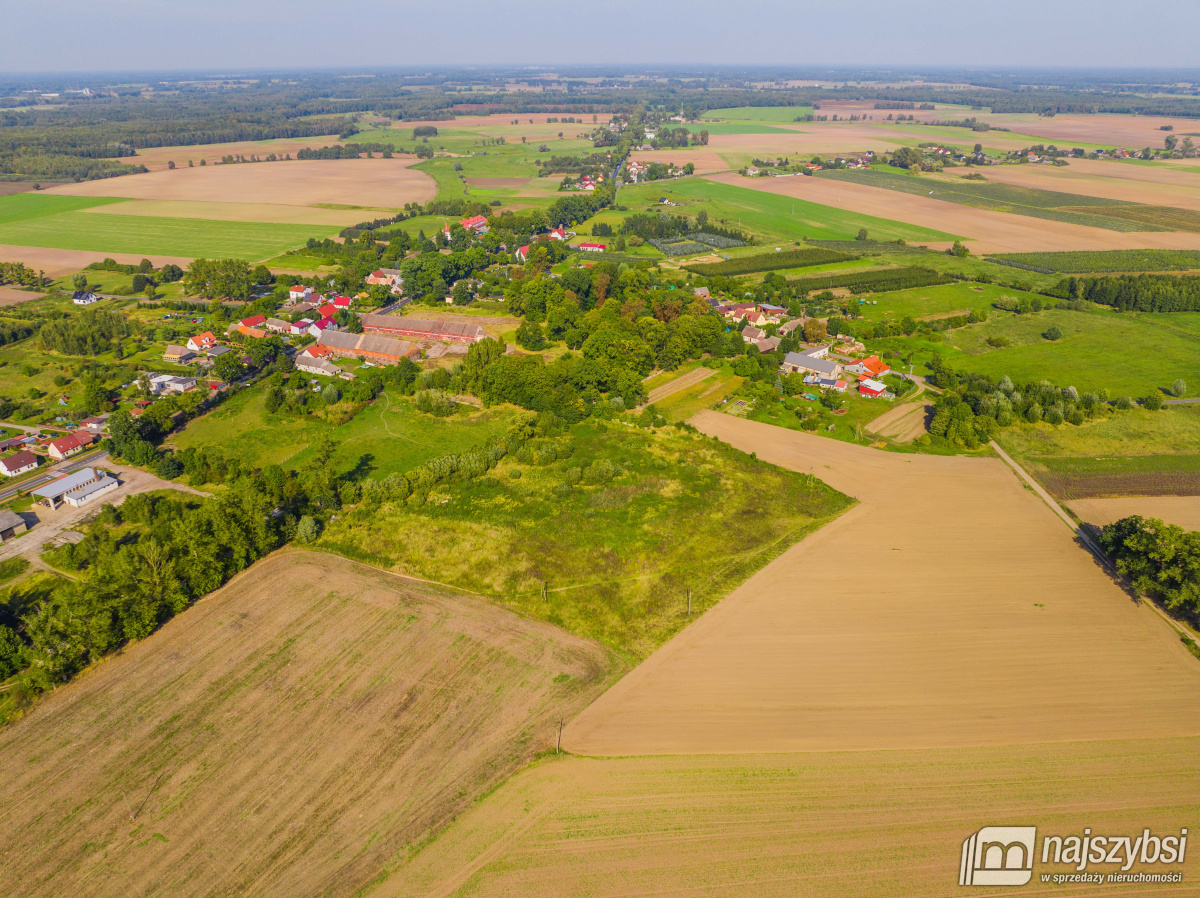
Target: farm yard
[286, 726]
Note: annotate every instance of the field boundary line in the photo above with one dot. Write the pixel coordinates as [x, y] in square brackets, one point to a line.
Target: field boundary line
[1079, 531]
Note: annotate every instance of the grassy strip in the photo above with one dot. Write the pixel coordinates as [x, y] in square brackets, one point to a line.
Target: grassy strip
[1098, 261]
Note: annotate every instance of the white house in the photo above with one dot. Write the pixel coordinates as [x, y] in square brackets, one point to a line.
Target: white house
[18, 464]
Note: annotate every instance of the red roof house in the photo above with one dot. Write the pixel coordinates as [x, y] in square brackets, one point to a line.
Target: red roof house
[343, 302]
[70, 445]
[523, 252]
[475, 223]
[593, 247]
[254, 321]
[328, 310]
[872, 388]
[202, 341]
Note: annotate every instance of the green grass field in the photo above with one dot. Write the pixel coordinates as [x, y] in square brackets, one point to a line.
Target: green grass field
[1172, 431]
[192, 237]
[385, 437]
[943, 299]
[617, 556]
[20, 207]
[772, 216]
[754, 114]
[1108, 260]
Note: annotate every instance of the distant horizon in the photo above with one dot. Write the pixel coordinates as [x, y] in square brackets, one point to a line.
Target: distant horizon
[370, 34]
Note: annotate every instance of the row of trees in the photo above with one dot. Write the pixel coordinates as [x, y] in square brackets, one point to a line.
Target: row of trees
[1138, 293]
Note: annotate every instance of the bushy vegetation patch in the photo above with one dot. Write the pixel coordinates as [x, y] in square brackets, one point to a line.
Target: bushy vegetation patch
[797, 258]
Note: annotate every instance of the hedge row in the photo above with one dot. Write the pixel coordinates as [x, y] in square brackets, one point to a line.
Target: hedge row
[873, 280]
[796, 258]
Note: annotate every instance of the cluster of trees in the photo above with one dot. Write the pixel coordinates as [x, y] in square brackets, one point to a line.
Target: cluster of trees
[290, 395]
[88, 333]
[796, 258]
[1161, 560]
[176, 551]
[224, 278]
[169, 273]
[347, 151]
[907, 326]
[974, 406]
[17, 273]
[1139, 293]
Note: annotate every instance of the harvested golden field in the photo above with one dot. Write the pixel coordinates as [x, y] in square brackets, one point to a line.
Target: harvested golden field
[377, 183]
[826, 824]
[268, 212]
[950, 608]
[156, 158]
[1154, 186]
[1183, 511]
[57, 262]
[1132, 131]
[292, 734]
[989, 231]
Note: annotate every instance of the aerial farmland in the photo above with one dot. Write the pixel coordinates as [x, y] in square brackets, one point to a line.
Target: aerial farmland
[500, 480]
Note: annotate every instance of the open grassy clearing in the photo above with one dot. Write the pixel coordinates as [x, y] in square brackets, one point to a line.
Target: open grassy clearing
[294, 725]
[681, 513]
[384, 437]
[21, 207]
[941, 299]
[753, 114]
[1110, 261]
[959, 625]
[815, 824]
[1125, 354]
[160, 236]
[1137, 453]
[774, 216]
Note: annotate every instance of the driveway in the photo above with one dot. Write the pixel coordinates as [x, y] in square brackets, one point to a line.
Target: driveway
[45, 525]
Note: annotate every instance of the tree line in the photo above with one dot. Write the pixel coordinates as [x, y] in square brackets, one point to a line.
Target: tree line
[1161, 560]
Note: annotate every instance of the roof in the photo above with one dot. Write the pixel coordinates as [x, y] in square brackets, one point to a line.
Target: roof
[473, 221]
[323, 323]
[374, 343]
[278, 324]
[10, 519]
[218, 351]
[22, 459]
[298, 288]
[206, 337]
[873, 385]
[754, 333]
[593, 245]
[176, 351]
[254, 321]
[822, 366]
[82, 492]
[435, 328]
[524, 250]
[72, 441]
[328, 310]
[56, 488]
[342, 302]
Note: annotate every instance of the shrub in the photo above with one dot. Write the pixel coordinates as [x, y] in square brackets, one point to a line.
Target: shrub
[308, 530]
[797, 258]
[1153, 402]
[1053, 333]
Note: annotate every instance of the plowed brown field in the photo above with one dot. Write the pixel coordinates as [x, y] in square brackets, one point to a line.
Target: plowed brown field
[1155, 186]
[1183, 511]
[376, 183]
[950, 608]
[57, 262]
[289, 735]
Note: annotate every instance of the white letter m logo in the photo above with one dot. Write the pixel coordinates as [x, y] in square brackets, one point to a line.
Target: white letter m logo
[998, 856]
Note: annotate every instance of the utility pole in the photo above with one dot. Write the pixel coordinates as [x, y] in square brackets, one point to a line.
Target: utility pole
[558, 747]
[689, 594]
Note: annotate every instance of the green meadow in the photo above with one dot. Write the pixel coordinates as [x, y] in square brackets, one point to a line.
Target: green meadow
[772, 216]
[62, 222]
[384, 437]
[755, 114]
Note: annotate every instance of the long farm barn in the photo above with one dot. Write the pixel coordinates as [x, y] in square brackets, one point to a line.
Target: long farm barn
[423, 328]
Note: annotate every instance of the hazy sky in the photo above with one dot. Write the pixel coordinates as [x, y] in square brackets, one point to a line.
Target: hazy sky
[128, 35]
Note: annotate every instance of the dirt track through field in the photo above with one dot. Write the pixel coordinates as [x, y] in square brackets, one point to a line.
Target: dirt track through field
[989, 231]
[1182, 511]
[680, 383]
[950, 608]
[904, 423]
[289, 735]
